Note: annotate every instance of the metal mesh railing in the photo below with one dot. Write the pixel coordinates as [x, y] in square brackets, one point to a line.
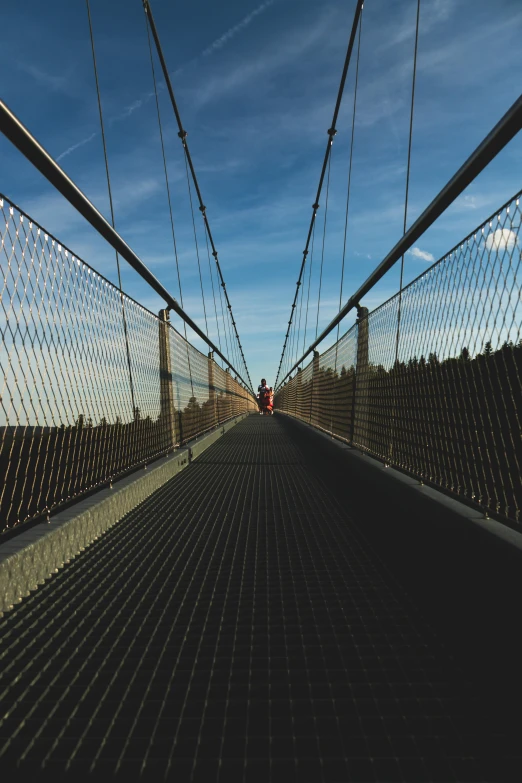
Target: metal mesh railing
[91, 383]
[430, 382]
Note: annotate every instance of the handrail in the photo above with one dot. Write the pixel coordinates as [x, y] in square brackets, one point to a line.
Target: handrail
[26, 143]
[491, 145]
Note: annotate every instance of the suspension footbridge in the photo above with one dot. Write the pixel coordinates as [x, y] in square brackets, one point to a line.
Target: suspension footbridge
[192, 592]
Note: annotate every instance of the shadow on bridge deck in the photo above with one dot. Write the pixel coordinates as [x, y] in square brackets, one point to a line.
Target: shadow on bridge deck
[268, 616]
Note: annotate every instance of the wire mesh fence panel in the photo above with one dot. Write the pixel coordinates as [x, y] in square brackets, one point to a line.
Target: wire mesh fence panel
[453, 397]
[342, 407]
[91, 383]
[192, 404]
[374, 386]
[224, 406]
[434, 374]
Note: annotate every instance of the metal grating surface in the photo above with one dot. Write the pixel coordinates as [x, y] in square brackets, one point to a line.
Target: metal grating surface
[237, 627]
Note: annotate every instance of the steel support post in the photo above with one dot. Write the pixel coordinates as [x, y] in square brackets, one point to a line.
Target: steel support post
[167, 412]
[315, 381]
[361, 385]
[298, 391]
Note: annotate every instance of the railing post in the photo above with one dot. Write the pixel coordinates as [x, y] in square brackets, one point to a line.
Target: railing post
[298, 393]
[167, 415]
[315, 381]
[228, 396]
[212, 389]
[360, 386]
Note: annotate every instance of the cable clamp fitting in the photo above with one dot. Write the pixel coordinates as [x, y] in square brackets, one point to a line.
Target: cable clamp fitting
[315, 206]
[214, 253]
[332, 132]
[182, 134]
[202, 208]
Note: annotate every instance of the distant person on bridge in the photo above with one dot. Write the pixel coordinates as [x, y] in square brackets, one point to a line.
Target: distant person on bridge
[271, 401]
[263, 396]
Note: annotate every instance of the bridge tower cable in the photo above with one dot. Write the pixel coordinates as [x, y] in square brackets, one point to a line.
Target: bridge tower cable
[182, 133]
[331, 133]
[111, 205]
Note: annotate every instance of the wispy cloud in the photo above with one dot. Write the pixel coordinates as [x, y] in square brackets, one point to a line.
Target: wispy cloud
[134, 106]
[123, 115]
[231, 33]
[68, 151]
[219, 43]
[261, 66]
[54, 83]
[423, 255]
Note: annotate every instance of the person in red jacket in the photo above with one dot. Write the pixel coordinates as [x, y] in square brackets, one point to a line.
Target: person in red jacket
[270, 405]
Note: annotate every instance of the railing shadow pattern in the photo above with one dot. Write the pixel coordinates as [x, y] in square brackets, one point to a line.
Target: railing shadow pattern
[430, 382]
[91, 383]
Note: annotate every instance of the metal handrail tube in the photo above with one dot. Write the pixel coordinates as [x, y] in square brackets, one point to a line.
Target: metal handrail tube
[26, 143]
[494, 142]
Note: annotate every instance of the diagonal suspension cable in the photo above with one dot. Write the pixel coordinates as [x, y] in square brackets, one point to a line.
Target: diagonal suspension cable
[349, 187]
[109, 189]
[331, 133]
[165, 170]
[324, 239]
[183, 136]
[309, 280]
[197, 245]
[213, 292]
[405, 223]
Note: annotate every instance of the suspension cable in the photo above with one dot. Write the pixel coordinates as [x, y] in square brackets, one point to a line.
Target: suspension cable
[331, 133]
[324, 239]
[408, 166]
[183, 136]
[301, 299]
[348, 191]
[197, 245]
[213, 292]
[309, 281]
[160, 127]
[399, 305]
[111, 205]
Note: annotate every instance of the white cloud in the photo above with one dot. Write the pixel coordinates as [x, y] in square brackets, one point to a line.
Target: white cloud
[501, 239]
[416, 252]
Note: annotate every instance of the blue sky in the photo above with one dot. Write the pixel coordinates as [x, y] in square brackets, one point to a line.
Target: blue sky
[256, 84]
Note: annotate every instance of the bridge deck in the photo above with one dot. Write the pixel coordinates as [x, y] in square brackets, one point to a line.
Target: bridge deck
[238, 626]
